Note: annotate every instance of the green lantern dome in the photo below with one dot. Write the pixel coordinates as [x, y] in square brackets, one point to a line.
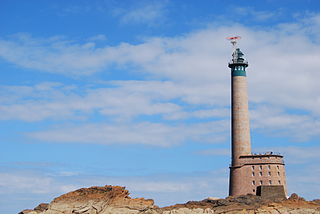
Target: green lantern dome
[238, 64]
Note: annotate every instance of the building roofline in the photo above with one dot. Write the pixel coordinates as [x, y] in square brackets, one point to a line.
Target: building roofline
[261, 155]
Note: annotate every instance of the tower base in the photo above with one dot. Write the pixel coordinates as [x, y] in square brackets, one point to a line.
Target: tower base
[257, 170]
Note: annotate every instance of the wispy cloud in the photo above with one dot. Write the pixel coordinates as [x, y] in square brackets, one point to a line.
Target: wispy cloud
[119, 99]
[196, 79]
[223, 152]
[163, 188]
[150, 12]
[277, 122]
[155, 134]
[299, 155]
[99, 37]
[28, 182]
[258, 15]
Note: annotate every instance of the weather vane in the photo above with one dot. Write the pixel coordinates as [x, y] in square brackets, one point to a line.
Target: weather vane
[233, 40]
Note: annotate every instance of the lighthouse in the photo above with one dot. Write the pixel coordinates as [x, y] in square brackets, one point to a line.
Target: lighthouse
[262, 173]
[241, 144]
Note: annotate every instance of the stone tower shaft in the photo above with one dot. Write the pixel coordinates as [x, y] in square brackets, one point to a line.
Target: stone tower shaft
[241, 143]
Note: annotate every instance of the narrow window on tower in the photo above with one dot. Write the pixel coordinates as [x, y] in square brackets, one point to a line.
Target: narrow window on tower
[261, 182]
[279, 181]
[260, 173]
[277, 167]
[252, 167]
[253, 190]
[269, 173]
[278, 173]
[269, 167]
[260, 167]
[252, 173]
[253, 183]
[270, 182]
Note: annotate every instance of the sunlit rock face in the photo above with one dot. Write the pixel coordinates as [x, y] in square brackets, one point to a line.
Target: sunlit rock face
[116, 200]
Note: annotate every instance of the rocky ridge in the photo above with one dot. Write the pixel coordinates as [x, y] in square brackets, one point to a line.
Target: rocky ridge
[116, 200]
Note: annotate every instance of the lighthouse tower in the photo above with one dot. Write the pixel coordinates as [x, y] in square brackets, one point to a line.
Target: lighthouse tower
[249, 173]
[241, 144]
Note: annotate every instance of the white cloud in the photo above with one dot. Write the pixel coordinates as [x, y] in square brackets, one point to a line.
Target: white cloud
[223, 152]
[305, 179]
[212, 113]
[150, 13]
[256, 14]
[122, 99]
[295, 155]
[24, 182]
[155, 134]
[282, 75]
[99, 37]
[165, 189]
[276, 122]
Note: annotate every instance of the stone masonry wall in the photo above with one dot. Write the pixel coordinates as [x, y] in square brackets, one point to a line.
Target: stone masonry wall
[257, 170]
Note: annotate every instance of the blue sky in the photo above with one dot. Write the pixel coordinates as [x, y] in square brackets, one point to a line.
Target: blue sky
[137, 93]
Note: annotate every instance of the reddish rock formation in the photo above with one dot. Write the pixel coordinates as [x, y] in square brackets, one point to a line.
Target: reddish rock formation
[115, 196]
[116, 200]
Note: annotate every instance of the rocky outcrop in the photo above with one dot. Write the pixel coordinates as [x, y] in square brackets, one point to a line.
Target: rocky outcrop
[94, 200]
[116, 200]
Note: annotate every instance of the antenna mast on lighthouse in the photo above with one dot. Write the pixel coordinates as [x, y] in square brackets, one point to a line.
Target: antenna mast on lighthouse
[234, 40]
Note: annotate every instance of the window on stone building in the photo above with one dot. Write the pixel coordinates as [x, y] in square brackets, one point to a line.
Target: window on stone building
[253, 190]
[270, 182]
[261, 182]
[252, 173]
[279, 182]
[269, 173]
[277, 167]
[253, 183]
[269, 167]
[260, 167]
[278, 173]
[260, 173]
[252, 167]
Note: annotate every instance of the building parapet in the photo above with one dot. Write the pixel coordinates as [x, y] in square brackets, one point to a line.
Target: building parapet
[267, 154]
[266, 158]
